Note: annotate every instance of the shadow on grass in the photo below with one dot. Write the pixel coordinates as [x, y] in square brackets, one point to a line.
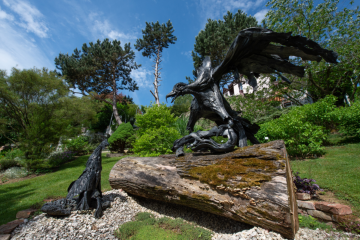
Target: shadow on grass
[11, 198]
[338, 139]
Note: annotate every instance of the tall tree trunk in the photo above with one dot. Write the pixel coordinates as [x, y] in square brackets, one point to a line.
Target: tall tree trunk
[157, 76]
[115, 111]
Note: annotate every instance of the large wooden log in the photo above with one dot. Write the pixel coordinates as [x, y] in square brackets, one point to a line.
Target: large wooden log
[251, 184]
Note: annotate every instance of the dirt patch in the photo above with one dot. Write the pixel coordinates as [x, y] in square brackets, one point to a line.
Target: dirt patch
[21, 179]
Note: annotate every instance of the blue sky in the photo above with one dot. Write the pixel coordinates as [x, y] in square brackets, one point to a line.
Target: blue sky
[33, 33]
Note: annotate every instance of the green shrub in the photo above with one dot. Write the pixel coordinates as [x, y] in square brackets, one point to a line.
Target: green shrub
[156, 133]
[13, 153]
[156, 142]
[58, 158]
[348, 119]
[77, 144]
[320, 113]
[7, 163]
[89, 148]
[301, 137]
[155, 117]
[180, 125]
[146, 227]
[121, 138]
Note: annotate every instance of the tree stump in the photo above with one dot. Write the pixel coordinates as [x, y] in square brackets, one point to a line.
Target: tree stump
[251, 184]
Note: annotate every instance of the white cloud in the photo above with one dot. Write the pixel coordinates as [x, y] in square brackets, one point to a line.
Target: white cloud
[4, 15]
[30, 17]
[118, 35]
[102, 27]
[187, 54]
[260, 15]
[17, 49]
[216, 9]
[142, 78]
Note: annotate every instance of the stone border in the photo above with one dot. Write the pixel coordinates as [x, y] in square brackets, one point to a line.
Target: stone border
[328, 212]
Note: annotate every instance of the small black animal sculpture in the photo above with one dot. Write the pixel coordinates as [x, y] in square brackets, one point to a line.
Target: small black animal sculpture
[250, 54]
[85, 192]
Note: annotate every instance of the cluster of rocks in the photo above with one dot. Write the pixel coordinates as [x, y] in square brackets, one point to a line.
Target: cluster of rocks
[331, 213]
[83, 225]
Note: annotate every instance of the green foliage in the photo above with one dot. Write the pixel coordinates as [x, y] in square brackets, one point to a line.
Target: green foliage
[155, 117]
[76, 144]
[301, 137]
[122, 137]
[257, 107]
[155, 38]
[36, 104]
[99, 67]
[216, 38]
[156, 141]
[147, 227]
[304, 129]
[181, 124]
[333, 28]
[182, 105]
[348, 119]
[7, 163]
[321, 113]
[156, 131]
[126, 112]
[58, 158]
[311, 223]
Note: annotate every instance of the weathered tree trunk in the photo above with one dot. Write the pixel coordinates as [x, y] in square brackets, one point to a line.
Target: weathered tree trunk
[157, 77]
[251, 184]
[115, 111]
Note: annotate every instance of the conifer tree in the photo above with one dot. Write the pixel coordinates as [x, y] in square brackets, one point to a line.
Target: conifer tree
[156, 37]
[215, 39]
[100, 68]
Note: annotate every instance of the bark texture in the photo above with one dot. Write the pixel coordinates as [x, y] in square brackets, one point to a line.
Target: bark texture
[251, 184]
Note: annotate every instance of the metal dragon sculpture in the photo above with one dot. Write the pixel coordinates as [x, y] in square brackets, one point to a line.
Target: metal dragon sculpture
[250, 54]
[85, 192]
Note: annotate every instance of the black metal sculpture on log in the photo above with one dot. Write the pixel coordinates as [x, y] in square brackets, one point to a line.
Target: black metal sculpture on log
[85, 192]
[250, 54]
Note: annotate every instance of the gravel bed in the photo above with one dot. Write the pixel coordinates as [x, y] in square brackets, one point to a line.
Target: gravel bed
[82, 224]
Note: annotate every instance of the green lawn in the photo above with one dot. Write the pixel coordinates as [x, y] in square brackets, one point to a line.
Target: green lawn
[22, 195]
[338, 170]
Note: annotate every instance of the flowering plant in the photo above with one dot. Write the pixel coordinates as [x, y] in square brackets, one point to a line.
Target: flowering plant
[305, 185]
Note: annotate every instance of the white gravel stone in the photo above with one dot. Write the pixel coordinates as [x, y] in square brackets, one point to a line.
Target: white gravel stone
[83, 225]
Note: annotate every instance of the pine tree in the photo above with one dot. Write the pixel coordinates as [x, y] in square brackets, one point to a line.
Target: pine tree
[156, 37]
[216, 38]
[103, 68]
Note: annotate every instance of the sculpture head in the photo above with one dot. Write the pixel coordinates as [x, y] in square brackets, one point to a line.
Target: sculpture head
[178, 90]
[104, 143]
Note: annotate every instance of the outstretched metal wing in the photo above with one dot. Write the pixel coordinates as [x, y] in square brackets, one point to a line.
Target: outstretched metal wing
[252, 53]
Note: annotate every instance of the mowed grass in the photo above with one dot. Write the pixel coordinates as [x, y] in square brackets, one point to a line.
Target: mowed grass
[338, 170]
[22, 195]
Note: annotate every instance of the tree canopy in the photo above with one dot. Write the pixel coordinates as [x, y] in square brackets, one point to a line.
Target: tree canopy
[333, 28]
[36, 104]
[217, 37]
[101, 67]
[156, 37]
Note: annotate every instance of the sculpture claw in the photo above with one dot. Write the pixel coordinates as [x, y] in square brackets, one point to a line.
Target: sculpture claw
[98, 212]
